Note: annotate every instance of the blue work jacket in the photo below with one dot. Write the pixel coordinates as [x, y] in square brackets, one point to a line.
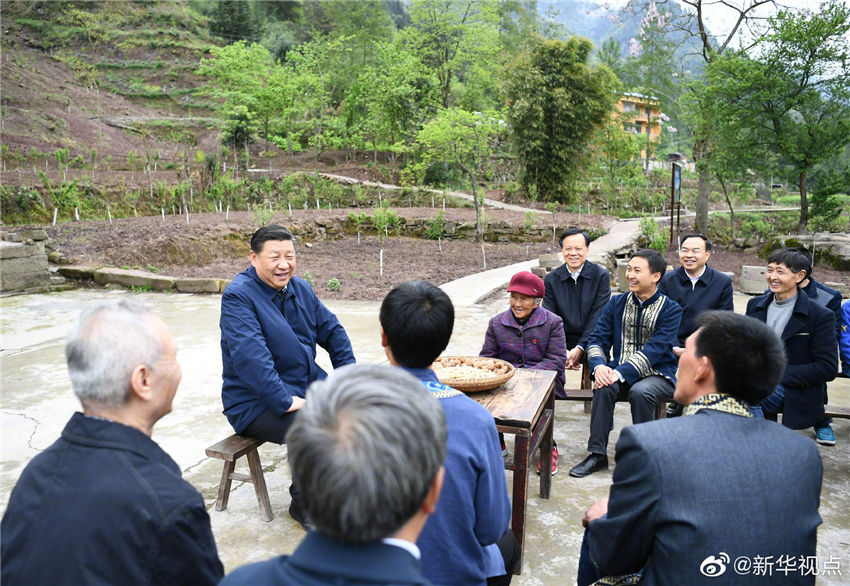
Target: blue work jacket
[106, 505]
[266, 358]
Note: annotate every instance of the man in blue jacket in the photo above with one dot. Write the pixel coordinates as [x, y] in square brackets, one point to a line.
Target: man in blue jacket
[368, 450]
[270, 323]
[637, 330]
[105, 504]
[467, 540]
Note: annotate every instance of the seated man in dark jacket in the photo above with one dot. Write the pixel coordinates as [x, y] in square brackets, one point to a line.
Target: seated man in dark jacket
[696, 287]
[807, 330]
[104, 504]
[367, 449]
[270, 324]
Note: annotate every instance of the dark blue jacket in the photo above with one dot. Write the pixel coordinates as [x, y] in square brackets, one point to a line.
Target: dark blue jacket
[266, 358]
[657, 320]
[695, 486]
[844, 338]
[826, 297]
[713, 290]
[105, 505]
[458, 542]
[319, 560]
[809, 340]
[578, 304]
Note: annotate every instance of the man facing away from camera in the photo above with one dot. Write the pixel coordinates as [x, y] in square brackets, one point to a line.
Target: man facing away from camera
[467, 541]
[695, 496]
[367, 450]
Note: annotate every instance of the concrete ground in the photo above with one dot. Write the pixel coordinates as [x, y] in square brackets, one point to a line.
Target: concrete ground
[37, 401]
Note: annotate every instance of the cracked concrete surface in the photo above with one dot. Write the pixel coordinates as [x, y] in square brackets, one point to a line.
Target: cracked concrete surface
[37, 401]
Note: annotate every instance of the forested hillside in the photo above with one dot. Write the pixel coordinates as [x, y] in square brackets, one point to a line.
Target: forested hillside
[143, 107]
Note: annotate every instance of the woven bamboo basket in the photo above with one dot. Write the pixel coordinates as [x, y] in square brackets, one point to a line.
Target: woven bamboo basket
[471, 386]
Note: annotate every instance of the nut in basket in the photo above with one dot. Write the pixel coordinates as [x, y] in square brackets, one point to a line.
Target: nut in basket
[472, 373]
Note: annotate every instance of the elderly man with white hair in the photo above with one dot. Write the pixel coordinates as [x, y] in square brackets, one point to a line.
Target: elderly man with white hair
[367, 449]
[105, 504]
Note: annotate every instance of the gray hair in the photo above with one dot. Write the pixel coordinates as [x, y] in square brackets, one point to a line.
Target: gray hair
[108, 340]
[364, 450]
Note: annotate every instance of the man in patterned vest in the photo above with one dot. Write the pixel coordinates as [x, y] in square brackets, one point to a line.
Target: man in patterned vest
[637, 330]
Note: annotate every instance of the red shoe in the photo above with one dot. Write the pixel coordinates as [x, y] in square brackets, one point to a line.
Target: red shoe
[554, 460]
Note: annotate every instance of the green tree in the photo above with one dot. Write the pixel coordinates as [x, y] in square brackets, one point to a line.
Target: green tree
[465, 139]
[458, 40]
[234, 20]
[713, 42]
[389, 102]
[238, 132]
[247, 76]
[556, 100]
[616, 153]
[792, 99]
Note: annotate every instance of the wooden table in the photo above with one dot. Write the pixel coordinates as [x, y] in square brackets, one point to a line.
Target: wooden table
[525, 407]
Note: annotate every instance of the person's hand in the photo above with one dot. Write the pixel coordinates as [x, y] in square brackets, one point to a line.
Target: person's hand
[678, 351]
[297, 403]
[603, 376]
[598, 509]
[574, 358]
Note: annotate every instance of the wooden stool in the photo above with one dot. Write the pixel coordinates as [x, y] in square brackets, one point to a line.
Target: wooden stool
[230, 450]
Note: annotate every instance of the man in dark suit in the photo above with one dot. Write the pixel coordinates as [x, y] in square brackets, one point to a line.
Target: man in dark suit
[807, 330]
[367, 449]
[709, 494]
[696, 287]
[577, 291]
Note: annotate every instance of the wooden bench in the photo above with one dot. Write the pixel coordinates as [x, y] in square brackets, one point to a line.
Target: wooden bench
[586, 395]
[230, 450]
[834, 411]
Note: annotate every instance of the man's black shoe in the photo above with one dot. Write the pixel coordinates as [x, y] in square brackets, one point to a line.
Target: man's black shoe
[297, 512]
[674, 409]
[593, 463]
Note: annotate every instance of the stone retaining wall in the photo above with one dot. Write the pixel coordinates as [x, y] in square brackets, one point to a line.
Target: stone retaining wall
[129, 279]
[23, 262]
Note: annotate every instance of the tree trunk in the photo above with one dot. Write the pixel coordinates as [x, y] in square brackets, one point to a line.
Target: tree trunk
[701, 150]
[479, 229]
[804, 204]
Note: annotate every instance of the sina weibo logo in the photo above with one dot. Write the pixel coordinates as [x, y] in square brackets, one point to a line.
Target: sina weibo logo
[714, 566]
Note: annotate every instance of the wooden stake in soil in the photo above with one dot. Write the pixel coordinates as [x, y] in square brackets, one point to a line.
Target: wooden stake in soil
[483, 256]
[227, 215]
[135, 213]
[109, 213]
[163, 214]
[381, 262]
[317, 203]
[289, 205]
[187, 214]
[55, 213]
[77, 213]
